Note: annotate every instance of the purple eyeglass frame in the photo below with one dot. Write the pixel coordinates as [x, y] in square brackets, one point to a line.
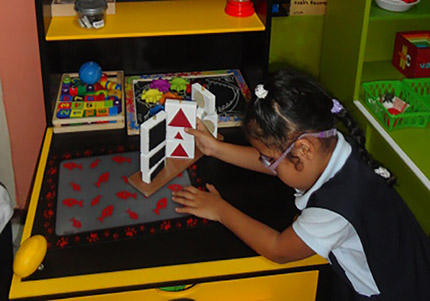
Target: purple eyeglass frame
[273, 165]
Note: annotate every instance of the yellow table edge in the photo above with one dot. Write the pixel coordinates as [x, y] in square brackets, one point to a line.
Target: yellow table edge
[146, 276]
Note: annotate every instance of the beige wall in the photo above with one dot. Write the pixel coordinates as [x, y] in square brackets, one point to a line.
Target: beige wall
[22, 90]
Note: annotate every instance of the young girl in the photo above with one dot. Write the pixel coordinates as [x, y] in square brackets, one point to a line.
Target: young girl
[349, 214]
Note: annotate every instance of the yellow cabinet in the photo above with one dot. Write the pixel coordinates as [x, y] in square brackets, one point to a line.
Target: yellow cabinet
[293, 286]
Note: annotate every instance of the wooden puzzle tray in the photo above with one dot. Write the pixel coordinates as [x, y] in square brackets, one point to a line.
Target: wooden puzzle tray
[71, 115]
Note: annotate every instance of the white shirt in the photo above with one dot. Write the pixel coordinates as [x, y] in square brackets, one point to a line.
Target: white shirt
[325, 231]
[6, 207]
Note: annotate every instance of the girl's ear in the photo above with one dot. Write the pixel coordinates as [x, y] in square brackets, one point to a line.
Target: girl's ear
[305, 149]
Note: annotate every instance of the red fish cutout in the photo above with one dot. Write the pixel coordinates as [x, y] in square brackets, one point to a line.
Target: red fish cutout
[72, 202]
[106, 213]
[125, 179]
[96, 200]
[75, 186]
[95, 163]
[161, 204]
[104, 177]
[180, 175]
[72, 165]
[121, 159]
[132, 214]
[125, 195]
[76, 223]
[175, 187]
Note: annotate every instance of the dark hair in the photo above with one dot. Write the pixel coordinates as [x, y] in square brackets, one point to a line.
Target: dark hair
[296, 104]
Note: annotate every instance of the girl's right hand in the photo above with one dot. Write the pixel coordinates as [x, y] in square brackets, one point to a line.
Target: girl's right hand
[205, 141]
[209, 205]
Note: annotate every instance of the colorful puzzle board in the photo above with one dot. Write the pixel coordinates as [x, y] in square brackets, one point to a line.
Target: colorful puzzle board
[83, 112]
[229, 87]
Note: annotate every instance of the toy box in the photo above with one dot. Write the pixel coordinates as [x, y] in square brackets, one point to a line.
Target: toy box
[412, 53]
[80, 110]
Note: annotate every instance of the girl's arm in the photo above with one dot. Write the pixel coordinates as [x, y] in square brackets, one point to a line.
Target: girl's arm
[280, 247]
[242, 156]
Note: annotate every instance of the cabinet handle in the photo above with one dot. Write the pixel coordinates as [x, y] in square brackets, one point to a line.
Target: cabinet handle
[182, 299]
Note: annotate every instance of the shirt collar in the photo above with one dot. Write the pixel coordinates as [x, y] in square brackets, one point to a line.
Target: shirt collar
[338, 158]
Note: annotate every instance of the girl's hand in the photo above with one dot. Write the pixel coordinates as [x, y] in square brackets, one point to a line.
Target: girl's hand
[200, 203]
[204, 139]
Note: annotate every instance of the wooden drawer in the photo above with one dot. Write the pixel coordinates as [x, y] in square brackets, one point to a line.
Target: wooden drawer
[300, 286]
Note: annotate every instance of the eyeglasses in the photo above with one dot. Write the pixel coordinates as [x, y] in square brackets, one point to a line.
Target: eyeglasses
[272, 164]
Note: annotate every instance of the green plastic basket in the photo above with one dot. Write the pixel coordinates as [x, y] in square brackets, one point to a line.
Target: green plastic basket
[420, 89]
[414, 116]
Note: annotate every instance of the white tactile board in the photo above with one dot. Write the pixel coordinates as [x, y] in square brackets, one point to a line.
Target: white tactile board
[145, 159]
[211, 123]
[174, 108]
[174, 133]
[204, 98]
[187, 146]
[145, 129]
[146, 176]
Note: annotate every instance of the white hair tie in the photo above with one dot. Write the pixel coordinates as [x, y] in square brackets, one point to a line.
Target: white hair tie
[383, 172]
[260, 92]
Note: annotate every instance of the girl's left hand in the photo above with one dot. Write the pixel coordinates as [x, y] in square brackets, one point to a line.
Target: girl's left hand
[200, 203]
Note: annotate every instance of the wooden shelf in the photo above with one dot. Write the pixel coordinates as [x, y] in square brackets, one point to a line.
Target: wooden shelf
[157, 18]
[419, 11]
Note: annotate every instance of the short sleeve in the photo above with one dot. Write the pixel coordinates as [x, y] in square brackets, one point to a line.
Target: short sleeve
[322, 230]
[6, 209]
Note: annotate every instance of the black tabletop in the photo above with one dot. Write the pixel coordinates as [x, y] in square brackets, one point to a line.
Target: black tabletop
[263, 197]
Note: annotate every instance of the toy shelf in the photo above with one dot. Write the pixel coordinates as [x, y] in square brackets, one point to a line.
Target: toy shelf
[383, 26]
[419, 11]
[361, 50]
[157, 18]
[409, 144]
[380, 70]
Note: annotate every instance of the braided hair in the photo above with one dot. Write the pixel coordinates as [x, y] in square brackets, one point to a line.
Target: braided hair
[289, 104]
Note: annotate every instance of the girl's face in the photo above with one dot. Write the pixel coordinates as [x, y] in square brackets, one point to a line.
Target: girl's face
[301, 178]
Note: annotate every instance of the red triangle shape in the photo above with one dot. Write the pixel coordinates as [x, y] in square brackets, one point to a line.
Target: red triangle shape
[179, 152]
[178, 136]
[180, 120]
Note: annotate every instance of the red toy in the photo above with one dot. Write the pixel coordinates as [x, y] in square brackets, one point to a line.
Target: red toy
[239, 8]
[412, 53]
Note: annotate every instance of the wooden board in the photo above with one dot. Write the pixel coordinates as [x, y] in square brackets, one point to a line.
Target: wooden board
[172, 168]
[67, 125]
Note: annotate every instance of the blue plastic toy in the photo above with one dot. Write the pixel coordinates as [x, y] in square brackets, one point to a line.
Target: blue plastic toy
[90, 73]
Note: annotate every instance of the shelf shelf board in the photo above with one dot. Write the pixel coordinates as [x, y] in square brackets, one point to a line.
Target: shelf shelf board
[409, 143]
[380, 70]
[419, 11]
[157, 18]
